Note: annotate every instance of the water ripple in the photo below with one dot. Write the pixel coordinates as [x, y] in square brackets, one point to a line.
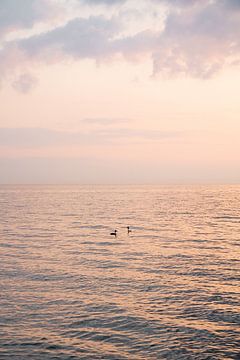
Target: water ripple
[168, 290]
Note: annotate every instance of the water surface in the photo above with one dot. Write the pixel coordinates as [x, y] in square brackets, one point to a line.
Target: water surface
[169, 290]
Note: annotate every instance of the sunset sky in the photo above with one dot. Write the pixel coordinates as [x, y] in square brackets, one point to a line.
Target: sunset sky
[114, 91]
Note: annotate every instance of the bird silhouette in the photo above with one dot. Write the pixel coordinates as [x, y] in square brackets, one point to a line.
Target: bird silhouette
[129, 230]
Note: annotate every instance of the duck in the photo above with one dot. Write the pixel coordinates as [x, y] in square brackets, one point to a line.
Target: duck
[129, 230]
[114, 233]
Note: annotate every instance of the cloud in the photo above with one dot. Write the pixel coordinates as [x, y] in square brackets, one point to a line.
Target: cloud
[29, 137]
[105, 2]
[15, 14]
[41, 137]
[24, 83]
[234, 4]
[181, 3]
[104, 121]
[79, 38]
[199, 39]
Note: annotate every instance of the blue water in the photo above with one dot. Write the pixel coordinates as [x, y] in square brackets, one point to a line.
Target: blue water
[168, 290]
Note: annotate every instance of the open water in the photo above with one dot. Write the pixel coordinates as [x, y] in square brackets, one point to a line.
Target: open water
[169, 290]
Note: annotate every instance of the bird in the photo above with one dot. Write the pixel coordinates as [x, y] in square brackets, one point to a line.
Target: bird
[129, 230]
[114, 233]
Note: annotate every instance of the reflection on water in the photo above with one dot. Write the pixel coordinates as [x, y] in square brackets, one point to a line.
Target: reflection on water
[169, 290]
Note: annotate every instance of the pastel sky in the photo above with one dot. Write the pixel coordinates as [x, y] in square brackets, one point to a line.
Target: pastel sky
[119, 91]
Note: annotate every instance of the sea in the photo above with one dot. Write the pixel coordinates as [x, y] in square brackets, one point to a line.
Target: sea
[170, 289]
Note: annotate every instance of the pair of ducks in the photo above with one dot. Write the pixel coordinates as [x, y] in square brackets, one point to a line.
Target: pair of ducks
[114, 233]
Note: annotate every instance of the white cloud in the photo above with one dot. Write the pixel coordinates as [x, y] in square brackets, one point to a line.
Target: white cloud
[198, 39]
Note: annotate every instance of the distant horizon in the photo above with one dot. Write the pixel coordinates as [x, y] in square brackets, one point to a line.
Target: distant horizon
[125, 184]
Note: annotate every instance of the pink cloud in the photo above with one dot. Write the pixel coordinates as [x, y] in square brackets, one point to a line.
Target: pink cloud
[198, 40]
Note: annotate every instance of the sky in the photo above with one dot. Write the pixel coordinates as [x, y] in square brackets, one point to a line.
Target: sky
[119, 91]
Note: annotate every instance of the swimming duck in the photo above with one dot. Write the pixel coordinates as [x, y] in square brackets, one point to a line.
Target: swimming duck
[129, 230]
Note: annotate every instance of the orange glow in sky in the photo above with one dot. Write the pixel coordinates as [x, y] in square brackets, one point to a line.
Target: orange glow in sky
[119, 92]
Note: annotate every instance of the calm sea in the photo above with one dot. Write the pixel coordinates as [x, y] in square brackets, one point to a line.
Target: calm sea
[168, 290]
